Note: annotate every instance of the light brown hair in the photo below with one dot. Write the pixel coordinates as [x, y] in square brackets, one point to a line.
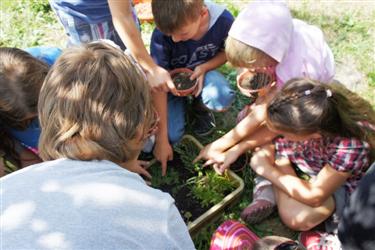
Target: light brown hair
[170, 15]
[305, 106]
[94, 104]
[240, 54]
[21, 77]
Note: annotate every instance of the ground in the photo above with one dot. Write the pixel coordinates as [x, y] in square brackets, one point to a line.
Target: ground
[348, 26]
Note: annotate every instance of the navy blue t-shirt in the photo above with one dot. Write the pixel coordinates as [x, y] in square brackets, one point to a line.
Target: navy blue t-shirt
[190, 53]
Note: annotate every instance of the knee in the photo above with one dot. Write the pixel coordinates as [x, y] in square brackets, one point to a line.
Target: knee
[295, 221]
[217, 94]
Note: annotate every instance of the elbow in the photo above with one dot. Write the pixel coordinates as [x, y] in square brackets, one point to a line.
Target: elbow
[316, 200]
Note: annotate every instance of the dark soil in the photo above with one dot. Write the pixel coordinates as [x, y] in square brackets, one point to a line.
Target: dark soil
[182, 81]
[258, 81]
[174, 183]
[240, 163]
[184, 201]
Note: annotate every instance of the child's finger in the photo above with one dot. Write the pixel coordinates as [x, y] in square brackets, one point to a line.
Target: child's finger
[224, 166]
[171, 87]
[209, 162]
[217, 169]
[199, 157]
[170, 157]
[144, 164]
[145, 173]
[193, 76]
[198, 89]
[163, 167]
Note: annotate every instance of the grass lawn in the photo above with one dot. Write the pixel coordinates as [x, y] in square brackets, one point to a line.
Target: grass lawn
[349, 29]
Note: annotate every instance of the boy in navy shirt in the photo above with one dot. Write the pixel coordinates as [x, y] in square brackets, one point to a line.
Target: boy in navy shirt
[191, 34]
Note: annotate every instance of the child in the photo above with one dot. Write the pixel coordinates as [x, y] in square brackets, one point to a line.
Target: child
[328, 134]
[191, 34]
[91, 20]
[21, 77]
[357, 227]
[265, 39]
[91, 138]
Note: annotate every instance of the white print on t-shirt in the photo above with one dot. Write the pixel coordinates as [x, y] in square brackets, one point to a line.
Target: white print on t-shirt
[200, 55]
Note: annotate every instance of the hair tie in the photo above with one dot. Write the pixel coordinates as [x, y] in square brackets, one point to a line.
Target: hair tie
[307, 92]
[329, 93]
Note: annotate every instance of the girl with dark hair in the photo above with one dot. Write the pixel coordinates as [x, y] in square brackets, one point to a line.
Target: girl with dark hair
[326, 132]
[21, 76]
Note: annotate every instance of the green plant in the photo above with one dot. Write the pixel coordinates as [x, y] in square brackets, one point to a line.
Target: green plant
[205, 185]
[170, 179]
[209, 187]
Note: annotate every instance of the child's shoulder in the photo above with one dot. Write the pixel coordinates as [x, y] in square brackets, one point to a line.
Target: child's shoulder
[46, 54]
[345, 143]
[218, 13]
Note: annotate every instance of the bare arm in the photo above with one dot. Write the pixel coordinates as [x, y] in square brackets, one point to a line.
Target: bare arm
[243, 130]
[310, 193]
[126, 28]
[163, 150]
[260, 137]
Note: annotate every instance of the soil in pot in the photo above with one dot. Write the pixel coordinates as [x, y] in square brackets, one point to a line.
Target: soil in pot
[182, 80]
[258, 81]
[195, 189]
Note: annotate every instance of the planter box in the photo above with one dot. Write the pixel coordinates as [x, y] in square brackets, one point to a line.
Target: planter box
[212, 212]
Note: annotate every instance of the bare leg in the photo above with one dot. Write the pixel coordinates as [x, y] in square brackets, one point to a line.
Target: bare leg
[299, 216]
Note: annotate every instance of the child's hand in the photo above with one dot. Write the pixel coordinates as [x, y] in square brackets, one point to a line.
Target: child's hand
[138, 167]
[198, 74]
[224, 161]
[160, 80]
[210, 152]
[163, 152]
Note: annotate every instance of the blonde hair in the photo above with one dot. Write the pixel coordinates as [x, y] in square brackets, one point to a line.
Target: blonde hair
[93, 105]
[170, 15]
[240, 54]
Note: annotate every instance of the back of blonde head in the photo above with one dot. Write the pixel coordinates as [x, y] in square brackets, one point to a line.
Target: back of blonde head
[94, 104]
[240, 54]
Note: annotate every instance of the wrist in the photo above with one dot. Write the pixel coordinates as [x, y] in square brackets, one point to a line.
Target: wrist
[148, 64]
[161, 137]
[204, 68]
[272, 174]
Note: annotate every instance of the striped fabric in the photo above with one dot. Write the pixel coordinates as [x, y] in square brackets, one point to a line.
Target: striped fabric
[232, 235]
